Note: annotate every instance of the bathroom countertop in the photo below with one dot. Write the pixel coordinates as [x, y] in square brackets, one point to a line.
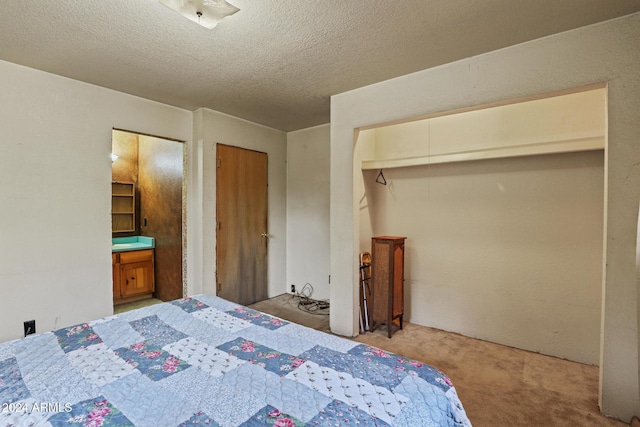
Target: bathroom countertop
[132, 243]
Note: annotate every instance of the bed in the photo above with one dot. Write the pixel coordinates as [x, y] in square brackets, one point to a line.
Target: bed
[204, 361]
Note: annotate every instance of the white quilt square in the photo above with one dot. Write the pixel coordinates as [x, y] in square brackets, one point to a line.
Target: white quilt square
[221, 320]
[374, 400]
[99, 364]
[203, 356]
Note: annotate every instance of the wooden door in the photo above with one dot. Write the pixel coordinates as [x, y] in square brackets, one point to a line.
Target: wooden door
[160, 180]
[241, 213]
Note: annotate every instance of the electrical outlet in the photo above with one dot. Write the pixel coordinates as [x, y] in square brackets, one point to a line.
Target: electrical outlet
[293, 289]
[29, 327]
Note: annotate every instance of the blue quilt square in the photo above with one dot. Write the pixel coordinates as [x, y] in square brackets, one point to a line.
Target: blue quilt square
[155, 330]
[76, 337]
[427, 402]
[357, 366]
[12, 387]
[151, 360]
[216, 302]
[292, 397]
[277, 339]
[117, 333]
[338, 413]
[403, 364]
[272, 416]
[92, 412]
[199, 419]
[257, 318]
[265, 357]
[150, 403]
[189, 304]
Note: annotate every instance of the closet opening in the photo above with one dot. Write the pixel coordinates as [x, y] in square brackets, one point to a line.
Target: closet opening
[503, 210]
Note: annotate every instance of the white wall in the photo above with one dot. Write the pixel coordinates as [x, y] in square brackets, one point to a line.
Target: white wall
[365, 150]
[308, 210]
[211, 128]
[506, 250]
[55, 174]
[605, 52]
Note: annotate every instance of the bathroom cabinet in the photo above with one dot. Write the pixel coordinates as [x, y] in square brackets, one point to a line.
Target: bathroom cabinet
[133, 277]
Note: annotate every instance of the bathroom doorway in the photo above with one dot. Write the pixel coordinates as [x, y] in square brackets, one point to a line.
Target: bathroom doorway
[155, 167]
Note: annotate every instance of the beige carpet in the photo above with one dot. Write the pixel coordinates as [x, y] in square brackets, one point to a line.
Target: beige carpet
[285, 306]
[498, 385]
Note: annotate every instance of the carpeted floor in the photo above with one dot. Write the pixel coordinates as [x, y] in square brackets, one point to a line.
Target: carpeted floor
[498, 385]
[285, 306]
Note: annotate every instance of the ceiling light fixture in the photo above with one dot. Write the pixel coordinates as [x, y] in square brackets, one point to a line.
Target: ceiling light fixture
[204, 12]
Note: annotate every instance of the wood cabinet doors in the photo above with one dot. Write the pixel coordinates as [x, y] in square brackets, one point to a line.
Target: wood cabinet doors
[133, 275]
[136, 278]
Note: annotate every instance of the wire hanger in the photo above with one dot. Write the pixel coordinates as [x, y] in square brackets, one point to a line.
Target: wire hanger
[380, 179]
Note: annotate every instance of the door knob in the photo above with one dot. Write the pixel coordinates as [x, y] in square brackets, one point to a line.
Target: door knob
[265, 235]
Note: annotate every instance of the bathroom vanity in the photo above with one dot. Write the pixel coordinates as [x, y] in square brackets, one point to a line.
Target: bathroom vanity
[133, 266]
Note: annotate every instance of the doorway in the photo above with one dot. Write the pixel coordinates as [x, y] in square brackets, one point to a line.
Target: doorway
[241, 214]
[155, 167]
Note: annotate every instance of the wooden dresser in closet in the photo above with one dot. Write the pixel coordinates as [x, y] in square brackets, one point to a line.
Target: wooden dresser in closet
[387, 275]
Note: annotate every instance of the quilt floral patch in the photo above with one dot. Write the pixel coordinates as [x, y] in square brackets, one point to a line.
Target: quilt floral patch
[270, 416]
[199, 419]
[12, 387]
[96, 412]
[76, 337]
[269, 359]
[257, 318]
[151, 360]
[189, 304]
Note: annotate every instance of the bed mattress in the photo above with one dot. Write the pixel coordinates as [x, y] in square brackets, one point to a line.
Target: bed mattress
[205, 361]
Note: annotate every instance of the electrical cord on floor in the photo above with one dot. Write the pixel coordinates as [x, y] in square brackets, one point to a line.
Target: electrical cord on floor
[310, 305]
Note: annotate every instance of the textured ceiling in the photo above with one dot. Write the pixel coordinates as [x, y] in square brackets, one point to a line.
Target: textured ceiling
[276, 62]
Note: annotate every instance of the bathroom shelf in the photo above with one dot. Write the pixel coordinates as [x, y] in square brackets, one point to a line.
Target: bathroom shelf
[123, 207]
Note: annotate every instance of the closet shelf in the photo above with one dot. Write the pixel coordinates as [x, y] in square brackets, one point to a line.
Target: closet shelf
[549, 147]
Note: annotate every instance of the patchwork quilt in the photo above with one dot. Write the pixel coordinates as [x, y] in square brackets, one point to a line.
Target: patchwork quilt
[206, 361]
